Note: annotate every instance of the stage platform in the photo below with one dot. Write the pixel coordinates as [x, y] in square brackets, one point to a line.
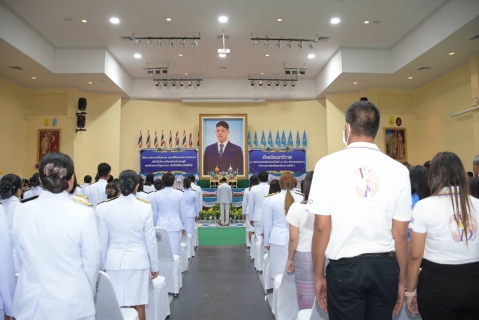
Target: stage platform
[211, 234]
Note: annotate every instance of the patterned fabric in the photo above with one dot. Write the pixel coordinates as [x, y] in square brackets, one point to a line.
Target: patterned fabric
[303, 262]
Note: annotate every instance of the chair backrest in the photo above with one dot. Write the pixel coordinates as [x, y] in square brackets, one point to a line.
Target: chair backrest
[106, 304]
[165, 252]
[318, 313]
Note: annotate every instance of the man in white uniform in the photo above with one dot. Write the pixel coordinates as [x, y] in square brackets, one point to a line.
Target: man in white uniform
[86, 182]
[96, 192]
[362, 201]
[225, 198]
[199, 192]
[37, 187]
[7, 272]
[255, 204]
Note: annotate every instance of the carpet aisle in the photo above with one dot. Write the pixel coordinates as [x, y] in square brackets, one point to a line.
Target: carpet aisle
[221, 283]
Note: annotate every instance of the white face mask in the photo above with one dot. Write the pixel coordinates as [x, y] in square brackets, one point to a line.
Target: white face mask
[345, 141]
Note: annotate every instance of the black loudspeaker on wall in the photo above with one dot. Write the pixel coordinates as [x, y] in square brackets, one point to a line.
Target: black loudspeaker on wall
[81, 116]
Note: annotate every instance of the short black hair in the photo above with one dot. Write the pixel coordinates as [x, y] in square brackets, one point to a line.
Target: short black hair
[111, 178]
[274, 186]
[418, 176]
[223, 124]
[87, 179]
[128, 181]
[192, 178]
[158, 184]
[263, 176]
[103, 169]
[364, 119]
[223, 180]
[470, 174]
[150, 179]
[140, 183]
[35, 180]
[168, 179]
[187, 183]
[427, 164]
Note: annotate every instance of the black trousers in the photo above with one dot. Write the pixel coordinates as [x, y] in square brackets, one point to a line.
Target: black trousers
[448, 291]
[362, 287]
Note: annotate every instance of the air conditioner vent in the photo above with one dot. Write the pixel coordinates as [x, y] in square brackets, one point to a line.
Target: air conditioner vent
[16, 68]
[423, 68]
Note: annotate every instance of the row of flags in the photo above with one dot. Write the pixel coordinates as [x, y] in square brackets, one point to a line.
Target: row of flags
[280, 142]
[171, 143]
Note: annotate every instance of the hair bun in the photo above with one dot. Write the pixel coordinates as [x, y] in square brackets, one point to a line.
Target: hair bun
[6, 189]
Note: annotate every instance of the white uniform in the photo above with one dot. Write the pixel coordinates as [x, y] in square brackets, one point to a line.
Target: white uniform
[225, 198]
[129, 250]
[96, 192]
[10, 205]
[169, 213]
[33, 192]
[244, 206]
[199, 195]
[191, 208]
[255, 206]
[59, 249]
[149, 189]
[7, 272]
[142, 195]
[276, 231]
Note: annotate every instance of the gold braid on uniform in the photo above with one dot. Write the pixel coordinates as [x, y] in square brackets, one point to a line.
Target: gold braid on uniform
[272, 194]
[82, 201]
[143, 200]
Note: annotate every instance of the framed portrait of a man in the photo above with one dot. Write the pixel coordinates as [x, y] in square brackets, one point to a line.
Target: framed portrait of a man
[396, 143]
[223, 144]
[48, 142]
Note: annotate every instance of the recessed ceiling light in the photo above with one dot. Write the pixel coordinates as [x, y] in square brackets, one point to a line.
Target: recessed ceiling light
[115, 20]
[451, 53]
[34, 78]
[267, 55]
[262, 72]
[366, 21]
[168, 19]
[355, 82]
[335, 20]
[222, 55]
[84, 21]
[223, 19]
[279, 19]
[311, 56]
[89, 82]
[409, 78]
[186, 73]
[180, 55]
[137, 55]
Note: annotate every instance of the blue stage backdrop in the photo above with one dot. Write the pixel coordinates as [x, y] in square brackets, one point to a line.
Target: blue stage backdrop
[277, 160]
[162, 161]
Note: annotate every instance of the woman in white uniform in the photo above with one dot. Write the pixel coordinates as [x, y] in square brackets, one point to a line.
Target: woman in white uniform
[191, 207]
[129, 251]
[276, 228]
[7, 272]
[253, 181]
[140, 194]
[37, 189]
[149, 183]
[57, 243]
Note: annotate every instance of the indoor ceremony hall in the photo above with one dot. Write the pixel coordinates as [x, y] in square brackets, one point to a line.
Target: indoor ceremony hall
[239, 159]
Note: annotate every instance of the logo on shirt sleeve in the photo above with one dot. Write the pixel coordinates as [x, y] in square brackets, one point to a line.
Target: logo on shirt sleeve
[461, 232]
[366, 182]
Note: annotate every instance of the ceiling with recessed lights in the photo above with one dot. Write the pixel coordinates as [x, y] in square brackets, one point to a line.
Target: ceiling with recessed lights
[365, 24]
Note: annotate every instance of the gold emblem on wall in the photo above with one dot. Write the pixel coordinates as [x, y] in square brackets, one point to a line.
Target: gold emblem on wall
[46, 122]
[391, 121]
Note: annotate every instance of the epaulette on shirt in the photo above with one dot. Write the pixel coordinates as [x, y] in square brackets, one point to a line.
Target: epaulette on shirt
[269, 195]
[143, 200]
[108, 200]
[82, 201]
[298, 192]
[81, 196]
[28, 199]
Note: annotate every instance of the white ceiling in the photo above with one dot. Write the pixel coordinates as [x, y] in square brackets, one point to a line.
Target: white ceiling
[301, 19]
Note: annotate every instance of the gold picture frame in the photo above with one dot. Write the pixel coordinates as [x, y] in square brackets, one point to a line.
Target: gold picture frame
[48, 141]
[395, 143]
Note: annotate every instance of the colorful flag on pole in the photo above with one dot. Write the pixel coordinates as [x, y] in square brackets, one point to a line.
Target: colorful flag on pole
[170, 140]
[140, 140]
[177, 139]
[255, 140]
[249, 139]
[148, 139]
[283, 140]
[263, 139]
[290, 140]
[270, 139]
[184, 139]
[190, 142]
[298, 139]
[156, 140]
[162, 143]
[305, 140]
[198, 139]
[278, 141]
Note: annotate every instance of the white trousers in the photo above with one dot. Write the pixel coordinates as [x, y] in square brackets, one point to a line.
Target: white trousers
[258, 229]
[175, 239]
[225, 211]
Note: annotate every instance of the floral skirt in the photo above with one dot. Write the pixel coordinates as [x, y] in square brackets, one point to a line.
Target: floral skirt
[303, 262]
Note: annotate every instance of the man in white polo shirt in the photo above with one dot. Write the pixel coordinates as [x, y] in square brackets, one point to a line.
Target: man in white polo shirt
[362, 201]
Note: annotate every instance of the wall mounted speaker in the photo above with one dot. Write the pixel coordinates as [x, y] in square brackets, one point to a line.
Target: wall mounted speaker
[82, 104]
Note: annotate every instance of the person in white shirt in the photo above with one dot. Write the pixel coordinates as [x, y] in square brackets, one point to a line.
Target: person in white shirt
[362, 201]
[141, 194]
[253, 181]
[199, 192]
[149, 185]
[225, 198]
[96, 191]
[86, 182]
[444, 242]
[59, 249]
[37, 187]
[129, 249]
[7, 271]
[255, 204]
[191, 207]
[300, 261]
[276, 228]
[169, 211]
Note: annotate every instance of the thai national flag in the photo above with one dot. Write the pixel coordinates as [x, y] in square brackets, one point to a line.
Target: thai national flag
[140, 140]
[148, 139]
[170, 140]
[177, 139]
[190, 142]
[156, 140]
[184, 139]
[162, 143]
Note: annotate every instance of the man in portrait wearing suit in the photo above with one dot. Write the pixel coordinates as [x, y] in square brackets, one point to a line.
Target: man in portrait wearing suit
[225, 198]
[223, 153]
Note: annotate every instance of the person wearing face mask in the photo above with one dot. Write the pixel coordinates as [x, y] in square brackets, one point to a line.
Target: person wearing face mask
[362, 202]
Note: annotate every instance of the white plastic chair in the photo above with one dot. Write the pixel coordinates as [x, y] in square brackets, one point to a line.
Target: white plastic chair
[170, 264]
[259, 254]
[184, 257]
[267, 283]
[285, 302]
[106, 304]
[191, 244]
[313, 314]
[158, 307]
